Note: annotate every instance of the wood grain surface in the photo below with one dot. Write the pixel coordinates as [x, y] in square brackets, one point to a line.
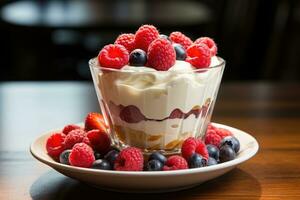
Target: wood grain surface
[269, 111]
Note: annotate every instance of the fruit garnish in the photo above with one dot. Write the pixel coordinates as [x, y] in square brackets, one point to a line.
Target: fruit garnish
[180, 38]
[74, 137]
[82, 155]
[94, 121]
[138, 57]
[210, 43]
[180, 51]
[199, 55]
[144, 36]
[161, 55]
[55, 145]
[113, 56]
[70, 127]
[129, 159]
[192, 145]
[175, 163]
[99, 140]
[127, 40]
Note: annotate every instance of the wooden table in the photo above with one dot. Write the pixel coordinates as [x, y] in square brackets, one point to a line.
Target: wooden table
[270, 112]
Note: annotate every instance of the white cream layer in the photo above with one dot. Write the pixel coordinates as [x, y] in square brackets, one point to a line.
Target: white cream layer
[158, 93]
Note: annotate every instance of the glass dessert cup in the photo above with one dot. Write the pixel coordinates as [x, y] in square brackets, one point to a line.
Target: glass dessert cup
[156, 110]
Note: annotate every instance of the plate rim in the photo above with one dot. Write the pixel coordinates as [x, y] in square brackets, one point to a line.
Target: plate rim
[55, 165]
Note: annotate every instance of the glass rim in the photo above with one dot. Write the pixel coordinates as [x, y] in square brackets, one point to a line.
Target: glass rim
[93, 63]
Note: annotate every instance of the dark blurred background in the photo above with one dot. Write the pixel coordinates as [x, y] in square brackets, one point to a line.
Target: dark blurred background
[54, 39]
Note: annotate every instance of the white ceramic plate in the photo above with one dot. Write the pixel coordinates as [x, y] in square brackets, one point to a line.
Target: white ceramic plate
[162, 181]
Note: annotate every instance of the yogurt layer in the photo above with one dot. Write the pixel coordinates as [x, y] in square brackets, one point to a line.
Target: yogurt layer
[158, 93]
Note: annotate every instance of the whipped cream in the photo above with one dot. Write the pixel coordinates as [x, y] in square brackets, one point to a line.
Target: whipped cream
[158, 93]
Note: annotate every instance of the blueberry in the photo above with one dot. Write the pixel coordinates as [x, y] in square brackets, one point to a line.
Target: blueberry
[154, 165]
[158, 156]
[138, 57]
[211, 161]
[101, 164]
[97, 155]
[165, 37]
[232, 142]
[213, 151]
[64, 157]
[111, 156]
[180, 52]
[227, 153]
[196, 161]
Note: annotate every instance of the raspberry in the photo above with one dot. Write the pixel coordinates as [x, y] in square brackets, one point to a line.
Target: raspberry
[94, 121]
[161, 54]
[129, 159]
[192, 145]
[199, 55]
[113, 56]
[99, 141]
[144, 36]
[82, 155]
[212, 137]
[211, 127]
[180, 38]
[74, 137]
[55, 144]
[210, 43]
[69, 128]
[175, 163]
[222, 132]
[127, 40]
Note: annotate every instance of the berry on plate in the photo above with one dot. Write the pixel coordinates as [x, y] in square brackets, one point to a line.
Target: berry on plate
[144, 36]
[69, 128]
[99, 140]
[74, 137]
[138, 57]
[129, 159]
[111, 156]
[198, 55]
[101, 164]
[213, 151]
[211, 161]
[82, 155]
[55, 145]
[175, 163]
[192, 145]
[222, 132]
[94, 121]
[196, 161]
[180, 51]
[210, 44]
[126, 40]
[226, 153]
[213, 138]
[180, 38]
[154, 165]
[158, 156]
[165, 37]
[113, 56]
[231, 141]
[64, 157]
[161, 55]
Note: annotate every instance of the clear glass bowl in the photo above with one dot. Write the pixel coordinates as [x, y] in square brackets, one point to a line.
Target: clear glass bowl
[156, 110]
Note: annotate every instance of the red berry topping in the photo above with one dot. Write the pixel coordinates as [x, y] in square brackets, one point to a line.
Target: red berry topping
[199, 55]
[161, 55]
[210, 43]
[175, 163]
[211, 127]
[74, 137]
[129, 159]
[82, 155]
[99, 140]
[55, 144]
[212, 137]
[69, 128]
[180, 38]
[144, 36]
[192, 145]
[127, 40]
[94, 121]
[113, 56]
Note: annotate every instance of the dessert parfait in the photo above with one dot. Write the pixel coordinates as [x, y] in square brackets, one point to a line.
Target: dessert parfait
[154, 90]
